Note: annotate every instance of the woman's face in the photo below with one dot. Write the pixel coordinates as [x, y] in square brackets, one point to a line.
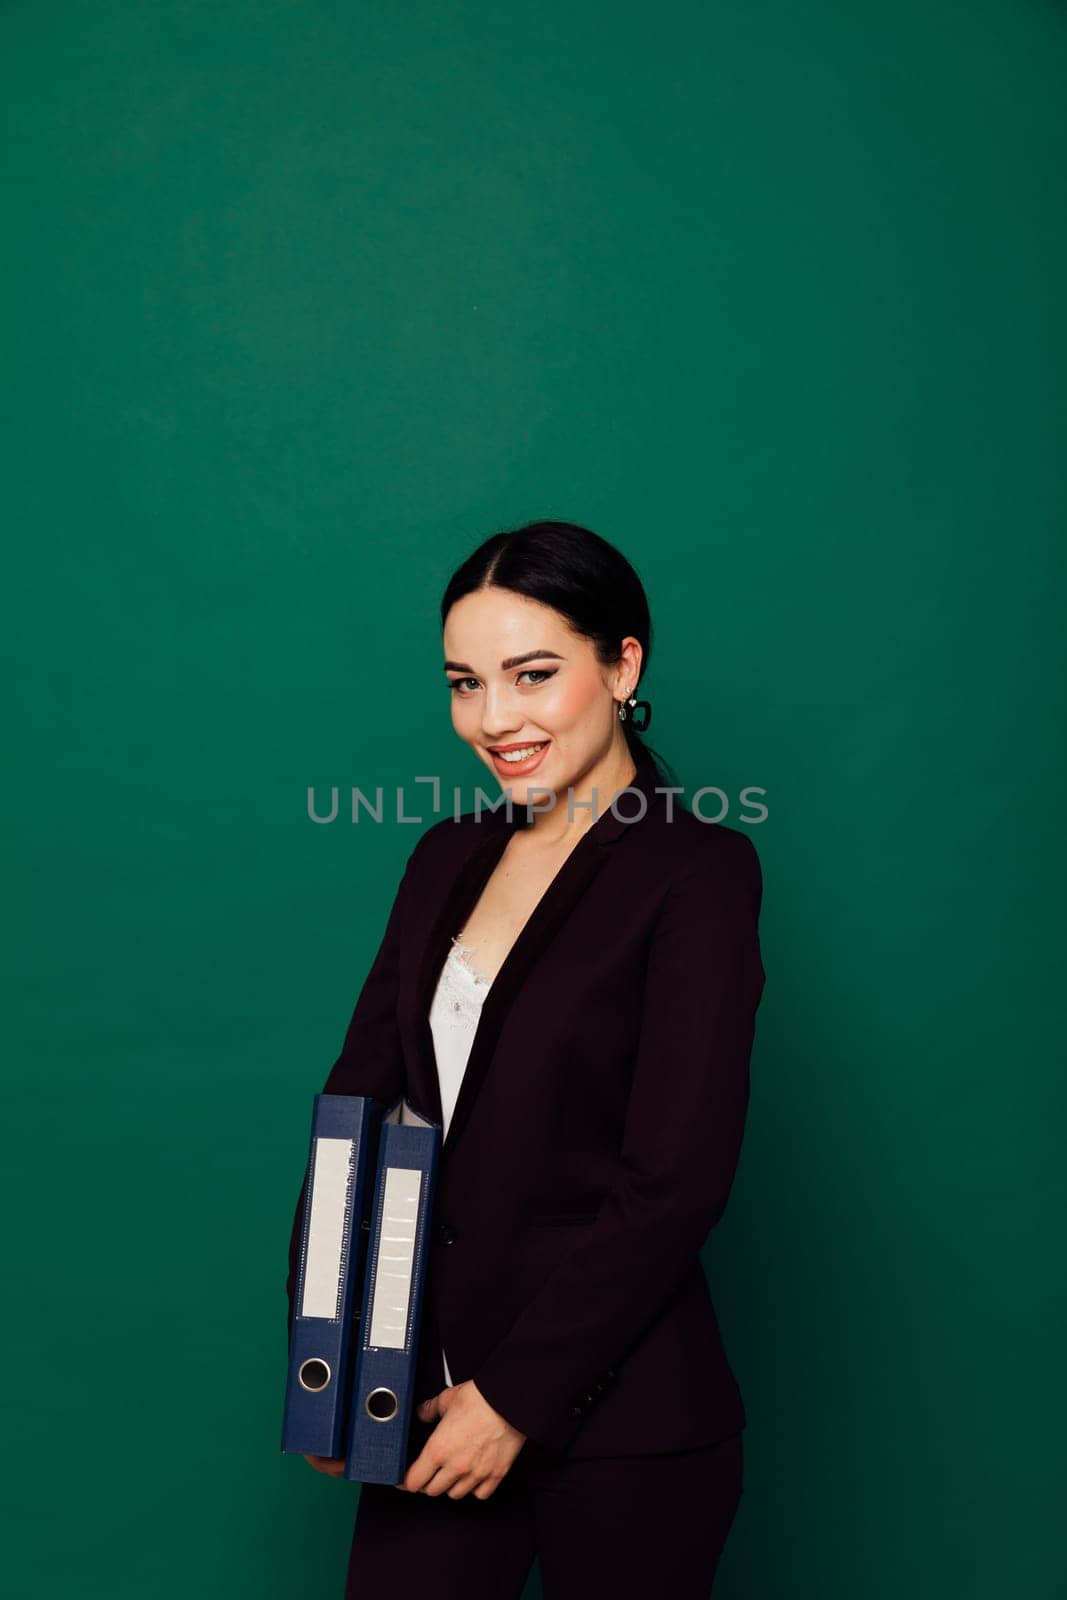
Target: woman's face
[557, 697]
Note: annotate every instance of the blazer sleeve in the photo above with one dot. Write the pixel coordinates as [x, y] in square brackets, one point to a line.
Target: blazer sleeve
[681, 1142]
[370, 1062]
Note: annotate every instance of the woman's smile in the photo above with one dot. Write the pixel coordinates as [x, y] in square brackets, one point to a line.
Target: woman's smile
[517, 760]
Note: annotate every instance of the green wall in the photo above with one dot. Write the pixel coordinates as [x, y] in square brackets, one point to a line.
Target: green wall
[303, 300]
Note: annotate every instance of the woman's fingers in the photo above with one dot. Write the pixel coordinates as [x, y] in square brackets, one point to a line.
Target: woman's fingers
[463, 1486]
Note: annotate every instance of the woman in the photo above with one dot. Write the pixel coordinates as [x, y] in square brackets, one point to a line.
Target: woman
[570, 988]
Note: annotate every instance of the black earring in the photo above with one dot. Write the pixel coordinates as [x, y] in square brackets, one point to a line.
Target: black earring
[645, 705]
[641, 705]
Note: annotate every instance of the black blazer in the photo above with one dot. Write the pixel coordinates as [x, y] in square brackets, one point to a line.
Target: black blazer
[597, 1127]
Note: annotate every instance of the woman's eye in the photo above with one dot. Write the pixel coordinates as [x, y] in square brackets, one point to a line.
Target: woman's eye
[540, 673]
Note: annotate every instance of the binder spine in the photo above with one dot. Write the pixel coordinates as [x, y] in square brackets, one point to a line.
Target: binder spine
[394, 1280]
[341, 1158]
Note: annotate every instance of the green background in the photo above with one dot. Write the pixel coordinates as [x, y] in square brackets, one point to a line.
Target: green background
[304, 300]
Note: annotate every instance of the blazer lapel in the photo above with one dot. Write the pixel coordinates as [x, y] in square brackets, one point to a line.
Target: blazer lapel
[548, 916]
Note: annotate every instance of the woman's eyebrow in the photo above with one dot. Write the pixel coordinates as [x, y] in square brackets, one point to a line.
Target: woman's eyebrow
[512, 661]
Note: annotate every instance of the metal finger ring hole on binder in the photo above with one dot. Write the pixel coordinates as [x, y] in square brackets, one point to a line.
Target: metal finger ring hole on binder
[382, 1405]
[314, 1374]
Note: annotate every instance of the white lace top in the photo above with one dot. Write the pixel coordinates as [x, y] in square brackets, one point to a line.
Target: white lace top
[454, 1013]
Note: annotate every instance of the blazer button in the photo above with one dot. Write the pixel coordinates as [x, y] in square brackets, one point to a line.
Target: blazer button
[446, 1234]
[576, 1411]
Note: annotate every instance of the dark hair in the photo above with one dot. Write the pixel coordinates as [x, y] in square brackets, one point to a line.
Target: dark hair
[583, 577]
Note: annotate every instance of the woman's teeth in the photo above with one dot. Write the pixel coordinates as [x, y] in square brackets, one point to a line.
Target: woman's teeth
[520, 755]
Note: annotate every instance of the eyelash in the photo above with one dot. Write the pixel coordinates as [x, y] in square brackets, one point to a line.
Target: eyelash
[540, 672]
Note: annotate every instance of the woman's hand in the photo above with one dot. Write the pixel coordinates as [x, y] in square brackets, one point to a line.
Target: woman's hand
[471, 1448]
[334, 1466]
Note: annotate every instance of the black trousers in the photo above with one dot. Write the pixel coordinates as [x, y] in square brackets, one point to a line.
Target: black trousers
[624, 1526]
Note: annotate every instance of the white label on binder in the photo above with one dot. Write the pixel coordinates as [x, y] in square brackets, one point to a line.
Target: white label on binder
[326, 1231]
[396, 1254]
